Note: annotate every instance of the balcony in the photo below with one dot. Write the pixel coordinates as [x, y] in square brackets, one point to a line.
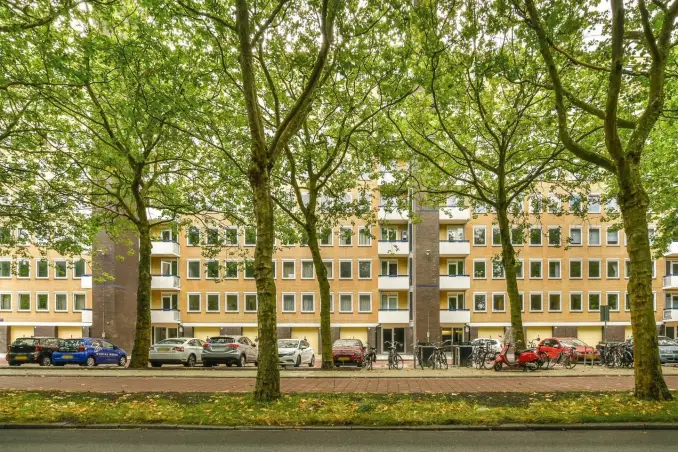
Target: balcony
[455, 282]
[455, 248]
[165, 316]
[670, 282]
[86, 282]
[86, 316]
[454, 215]
[459, 316]
[399, 316]
[673, 250]
[394, 282]
[164, 282]
[165, 249]
[392, 215]
[393, 248]
[671, 315]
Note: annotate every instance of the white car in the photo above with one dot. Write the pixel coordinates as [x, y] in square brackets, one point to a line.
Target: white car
[177, 350]
[493, 345]
[295, 352]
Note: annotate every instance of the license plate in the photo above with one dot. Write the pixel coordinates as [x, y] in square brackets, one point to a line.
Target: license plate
[67, 356]
[344, 358]
[21, 358]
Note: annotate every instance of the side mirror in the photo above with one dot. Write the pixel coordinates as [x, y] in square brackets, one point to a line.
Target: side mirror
[115, 347]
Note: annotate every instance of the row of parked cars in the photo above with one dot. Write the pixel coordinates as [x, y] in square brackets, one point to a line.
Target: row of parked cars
[59, 352]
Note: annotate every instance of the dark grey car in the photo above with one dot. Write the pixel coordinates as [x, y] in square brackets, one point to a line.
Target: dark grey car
[229, 350]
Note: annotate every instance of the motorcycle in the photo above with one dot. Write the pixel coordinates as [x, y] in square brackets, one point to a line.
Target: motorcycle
[525, 359]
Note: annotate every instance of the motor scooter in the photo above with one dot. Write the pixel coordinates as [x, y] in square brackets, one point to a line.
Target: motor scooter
[525, 359]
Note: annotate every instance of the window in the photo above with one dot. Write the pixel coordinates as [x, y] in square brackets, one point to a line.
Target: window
[479, 302]
[307, 269]
[613, 269]
[289, 302]
[193, 302]
[536, 204]
[455, 233]
[612, 205]
[325, 237]
[479, 236]
[345, 236]
[303, 239]
[479, 269]
[193, 269]
[517, 236]
[535, 269]
[612, 237]
[213, 302]
[455, 267]
[498, 302]
[193, 236]
[496, 236]
[536, 302]
[212, 269]
[575, 203]
[365, 302]
[594, 301]
[41, 269]
[576, 269]
[5, 301]
[60, 269]
[42, 301]
[497, 270]
[79, 302]
[389, 302]
[23, 237]
[231, 235]
[79, 268]
[364, 269]
[231, 302]
[212, 236]
[60, 302]
[554, 302]
[231, 270]
[554, 235]
[519, 268]
[345, 269]
[575, 236]
[389, 234]
[554, 269]
[364, 237]
[288, 270]
[329, 267]
[307, 302]
[613, 301]
[345, 302]
[595, 269]
[576, 302]
[250, 236]
[554, 204]
[594, 203]
[23, 269]
[455, 302]
[5, 268]
[24, 301]
[250, 302]
[249, 269]
[480, 208]
[535, 236]
[594, 236]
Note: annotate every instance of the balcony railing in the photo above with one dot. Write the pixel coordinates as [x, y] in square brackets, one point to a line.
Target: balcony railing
[390, 315]
[86, 282]
[455, 282]
[86, 316]
[452, 215]
[392, 214]
[673, 249]
[455, 247]
[671, 282]
[394, 282]
[671, 314]
[394, 247]
[165, 316]
[165, 248]
[165, 282]
[456, 316]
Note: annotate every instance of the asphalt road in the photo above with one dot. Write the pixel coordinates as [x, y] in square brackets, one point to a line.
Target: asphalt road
[326, 441]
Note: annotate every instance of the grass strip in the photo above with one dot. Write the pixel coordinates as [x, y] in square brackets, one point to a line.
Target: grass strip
[331, 409]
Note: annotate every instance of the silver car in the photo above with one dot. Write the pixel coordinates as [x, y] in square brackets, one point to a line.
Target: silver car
[295, 352]
[178, 350]
[229, 350]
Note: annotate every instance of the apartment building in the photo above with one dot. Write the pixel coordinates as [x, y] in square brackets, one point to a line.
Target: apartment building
[436, 278]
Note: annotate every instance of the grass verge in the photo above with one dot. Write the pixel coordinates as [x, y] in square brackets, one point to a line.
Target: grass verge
[331, 409]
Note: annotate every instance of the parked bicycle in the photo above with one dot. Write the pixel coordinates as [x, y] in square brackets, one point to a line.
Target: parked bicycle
[482, 356]
[566, 358]
[369, 357]
[417, 359]
[616, 354]
[395, 361]
[438, 357]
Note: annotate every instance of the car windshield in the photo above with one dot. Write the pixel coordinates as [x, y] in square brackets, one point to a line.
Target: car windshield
[171, 341]
[287, 343]
[26, 341]
[70, 344]
[574, 343]
[221, 340]
[668, 342]
[347, 343]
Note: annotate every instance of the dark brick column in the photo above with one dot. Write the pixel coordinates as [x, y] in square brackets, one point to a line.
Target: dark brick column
[426, 265]
[114, 302]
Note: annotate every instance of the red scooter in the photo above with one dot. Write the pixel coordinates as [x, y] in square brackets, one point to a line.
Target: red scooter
[526, 359]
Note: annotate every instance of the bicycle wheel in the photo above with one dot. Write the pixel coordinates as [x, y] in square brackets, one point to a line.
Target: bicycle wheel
[469, 361]
[488, 360]
[390, 361]
[570, 361]
[398, 362]
[442, 361]
[431, 361]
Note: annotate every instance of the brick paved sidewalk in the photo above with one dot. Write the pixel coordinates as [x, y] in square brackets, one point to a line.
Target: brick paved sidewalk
[327, 385]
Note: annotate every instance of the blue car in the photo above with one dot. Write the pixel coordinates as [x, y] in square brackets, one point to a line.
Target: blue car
[88, 352]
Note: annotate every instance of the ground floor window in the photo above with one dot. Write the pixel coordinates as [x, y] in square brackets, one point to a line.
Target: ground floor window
[393, 334]
[671, 332]
[160, 333]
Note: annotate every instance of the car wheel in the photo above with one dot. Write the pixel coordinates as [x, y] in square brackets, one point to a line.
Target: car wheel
[242, 361]
[45, 361]
[190, 362]
[297, 363]
[91, 362]
[122, 362]
[154, 364]
[312, 363]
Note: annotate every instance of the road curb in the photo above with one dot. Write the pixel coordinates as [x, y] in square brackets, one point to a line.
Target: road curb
[504, 427]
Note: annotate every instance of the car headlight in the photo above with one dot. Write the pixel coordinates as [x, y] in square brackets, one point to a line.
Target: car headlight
[287, 354]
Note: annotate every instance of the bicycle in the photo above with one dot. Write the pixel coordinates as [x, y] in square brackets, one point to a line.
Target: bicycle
[438, 358]
[567, 359]
[369, 357]
[482, 356]
[416, 356]
[395, 361]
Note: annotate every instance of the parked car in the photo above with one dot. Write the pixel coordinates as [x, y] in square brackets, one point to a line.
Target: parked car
[229, 350]
[89, 352]
[347, 351]
[295, 352]
[31, 350]
[493, 345]
[668, 349]
[178, 350]
[554, 345]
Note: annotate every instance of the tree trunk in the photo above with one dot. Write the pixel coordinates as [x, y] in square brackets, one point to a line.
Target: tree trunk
[324, 285]
[268, 376]
[142, 334]
[508, 256]
[633, 201]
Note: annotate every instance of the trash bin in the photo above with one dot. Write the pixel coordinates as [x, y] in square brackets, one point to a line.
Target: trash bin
[425, 351]
[465, 350]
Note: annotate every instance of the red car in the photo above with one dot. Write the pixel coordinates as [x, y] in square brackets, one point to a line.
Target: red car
[554, 345]
[347, 351]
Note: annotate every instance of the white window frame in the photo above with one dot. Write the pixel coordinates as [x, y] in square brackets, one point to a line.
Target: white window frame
[43, 292]
[342, 235]
[10, 268]
[349, 294]
[581, 294]
[496, 228]
[188, 235]
[363, 228]
[600, 236]
[541, 269]
[237, 302]
[365, 260]
[207, 235]
[588, 207]
[55, 301]
[306, 261]
[473, 269]
[346, 260]
[607, 274]
[581, 236]
[503, 294]
[331, 243]
[600, 267]
[188, 271]
[588, 300]
[330, 275]
[207, 305]
[514, 243]
[560, 294]
[503, 271]
[548, 269]
[541, 297]
[331, 303]
[607, 242]
[30, 301]
[188, 302]
[294, 301]
[301, 300]
[237, 236]
[244, 300]
[619, 300]
[244, 271]
[360, 294]
[522, 268]
[55, 261]
[473, 301]
[541, 236]
[569, 268]
[548, 241]
[207, 277]
[73, 301]
[18, 262]
[484, 228]
[237, 269]
[627, 268]
[244, 237]
[37, 273]
[11, 301]
[282, 269]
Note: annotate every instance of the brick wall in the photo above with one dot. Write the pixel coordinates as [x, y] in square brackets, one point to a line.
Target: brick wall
[426, 288]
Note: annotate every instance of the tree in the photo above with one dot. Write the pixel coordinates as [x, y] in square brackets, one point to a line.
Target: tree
[630, 61]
